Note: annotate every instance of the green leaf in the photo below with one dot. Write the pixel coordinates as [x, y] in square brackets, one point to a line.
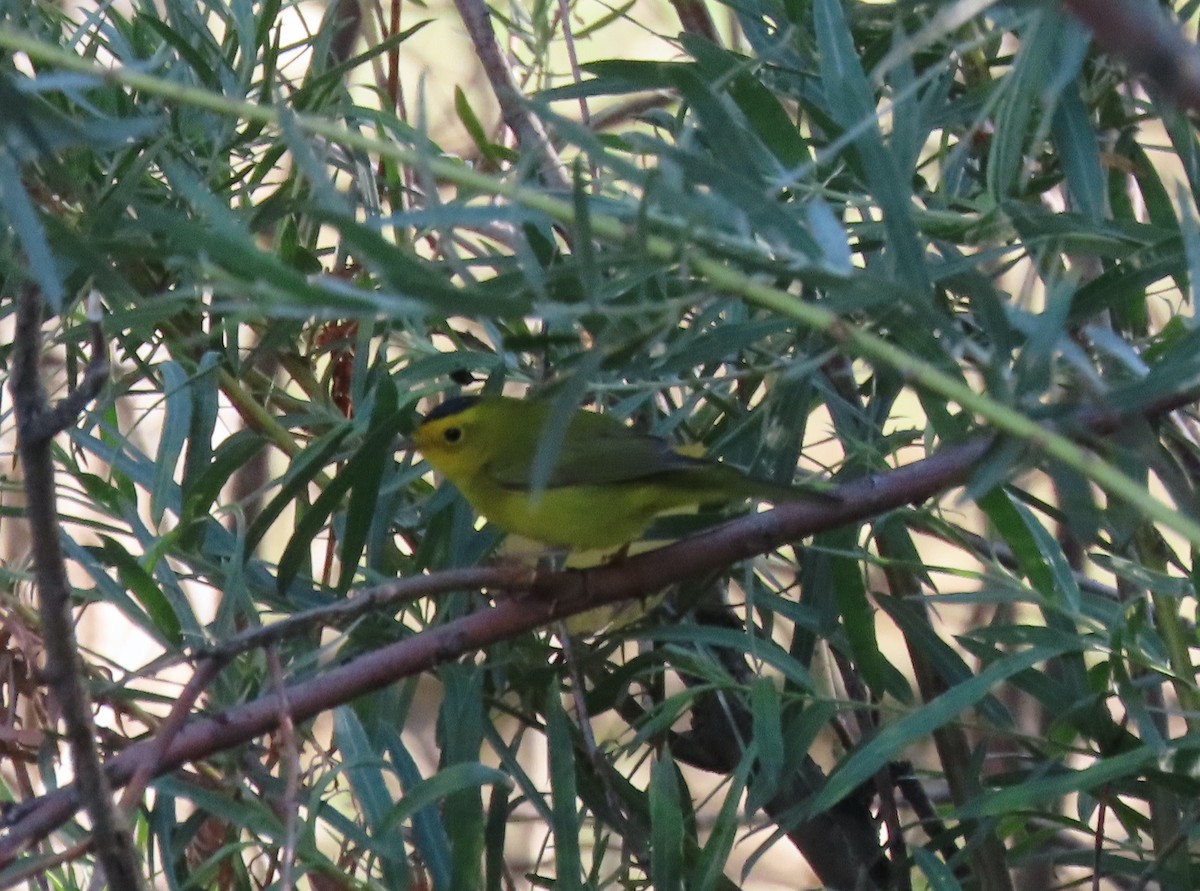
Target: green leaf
[429, 836]
[364, 472]
[460, 732]
[1037, 553]
[157, 615]
[1080, 153]
[177, 422]
[858, 618]
[23, 220]
[707, 871]
[446, 782]
[382, 438]
[362, 765]
[891, 741]
[1128, 282]
[497, 826]
[231, 456]
[494, 153]
[766, 715]
[848, 99]
[1023, 96]
[948, 664]
[1033, 790]
[667, 830]
[768, 652]
[764, 112]
[301, 471]
[566, 823]
[937, 873]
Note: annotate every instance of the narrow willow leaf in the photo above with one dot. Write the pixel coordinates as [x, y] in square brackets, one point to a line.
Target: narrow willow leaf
[23, 220]
[177, 422]
[861, 764]
[707, 871]
[566, 824]
[429, 836]
[766, 714]
[667, 828]
[363, 766]
[383, 428]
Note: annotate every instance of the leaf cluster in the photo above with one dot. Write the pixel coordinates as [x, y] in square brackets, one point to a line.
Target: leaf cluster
[835, 240]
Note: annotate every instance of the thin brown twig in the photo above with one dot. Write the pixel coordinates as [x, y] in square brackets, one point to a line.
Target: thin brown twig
[905, 780]
[37, 867]
[206, 672]
[839, 372]
[204, 675]
[392, 87]
[695, 18]
[564, 14]
[617, 114]
[530, 133]
[45, 422]
[290, 761]
[37, 424]
[603, 768]
[509, 578]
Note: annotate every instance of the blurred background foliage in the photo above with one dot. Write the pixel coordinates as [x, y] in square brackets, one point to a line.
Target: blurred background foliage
[303, 239]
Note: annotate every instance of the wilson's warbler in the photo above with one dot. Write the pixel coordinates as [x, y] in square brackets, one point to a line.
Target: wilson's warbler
[607, 484]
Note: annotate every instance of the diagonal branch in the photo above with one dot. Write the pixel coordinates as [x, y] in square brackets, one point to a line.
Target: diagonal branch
[528, 128]
[1149, 40]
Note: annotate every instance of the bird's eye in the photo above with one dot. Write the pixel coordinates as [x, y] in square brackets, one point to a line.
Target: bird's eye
[452, 434]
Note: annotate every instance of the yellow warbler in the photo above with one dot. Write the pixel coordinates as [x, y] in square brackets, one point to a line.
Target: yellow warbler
[607, 482]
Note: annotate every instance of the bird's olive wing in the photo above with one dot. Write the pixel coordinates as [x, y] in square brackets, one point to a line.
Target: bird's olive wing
[597, 455]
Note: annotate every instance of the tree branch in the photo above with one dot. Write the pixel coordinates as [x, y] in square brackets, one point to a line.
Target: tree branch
[37, 424]
[530, 133]
[1149, 40]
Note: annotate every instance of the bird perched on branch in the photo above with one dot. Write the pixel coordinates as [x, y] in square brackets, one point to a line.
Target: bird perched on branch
[600, 488]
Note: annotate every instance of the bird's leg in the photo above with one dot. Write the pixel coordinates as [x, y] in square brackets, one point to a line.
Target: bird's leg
[545, 561]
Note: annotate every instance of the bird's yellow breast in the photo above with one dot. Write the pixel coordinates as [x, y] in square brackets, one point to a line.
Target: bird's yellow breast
[575, 517]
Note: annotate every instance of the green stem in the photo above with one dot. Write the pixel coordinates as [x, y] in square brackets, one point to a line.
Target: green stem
[1153, 553]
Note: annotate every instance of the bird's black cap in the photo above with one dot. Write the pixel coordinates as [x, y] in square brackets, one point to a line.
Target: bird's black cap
[450, 407]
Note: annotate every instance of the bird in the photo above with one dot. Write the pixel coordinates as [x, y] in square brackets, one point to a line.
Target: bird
[607, 482]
